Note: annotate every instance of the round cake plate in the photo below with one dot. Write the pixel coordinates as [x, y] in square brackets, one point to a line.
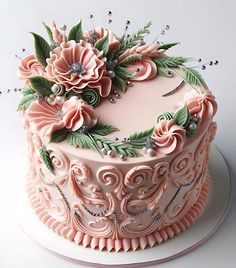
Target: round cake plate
[188, 240]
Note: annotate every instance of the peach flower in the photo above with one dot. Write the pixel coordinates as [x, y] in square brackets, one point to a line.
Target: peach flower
[143, 49]
[73, 115]
[77, 66]
[204, 105]
[29, 66]
[169, 137]
[57, 36]
[143, 69]
[99, 33]
[77, 114]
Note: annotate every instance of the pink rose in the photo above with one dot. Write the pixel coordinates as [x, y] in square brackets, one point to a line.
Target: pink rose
[29, 66]
[99, 33]
[204, 105]
[145, 50]
[77, 114]
[73, 114]
[143, 69]
[77, 66]
[169, 137]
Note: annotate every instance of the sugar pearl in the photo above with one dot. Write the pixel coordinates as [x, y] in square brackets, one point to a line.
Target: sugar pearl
[104, 151]
[151, 152]
[192, 125]
[110, 153]
[60, 100]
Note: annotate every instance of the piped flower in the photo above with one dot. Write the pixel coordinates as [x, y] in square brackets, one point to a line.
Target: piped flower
[77, 66]
[169, 137]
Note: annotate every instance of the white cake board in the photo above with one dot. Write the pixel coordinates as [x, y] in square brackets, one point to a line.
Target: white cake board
[188, 240]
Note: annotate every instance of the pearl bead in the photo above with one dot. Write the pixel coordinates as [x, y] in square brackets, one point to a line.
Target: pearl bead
[117, 95]
[195, 118]
[111, 74]
[60, 100]
[144, 149]
[192, 126]
[63, 27]
[151, 152]
[104, 151]
[122, 157]
[110, 153]
[74, 98]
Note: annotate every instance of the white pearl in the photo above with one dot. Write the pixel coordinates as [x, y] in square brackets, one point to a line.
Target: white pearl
[50, 100]
[151, 152]
[60, 100]
[144, 149]
[74, 98]
[104, 151]
[54, 88]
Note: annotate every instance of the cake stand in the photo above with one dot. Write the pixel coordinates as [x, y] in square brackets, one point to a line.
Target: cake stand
[188, 240]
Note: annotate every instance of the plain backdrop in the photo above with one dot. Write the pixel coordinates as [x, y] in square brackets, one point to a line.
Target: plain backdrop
[206, 29]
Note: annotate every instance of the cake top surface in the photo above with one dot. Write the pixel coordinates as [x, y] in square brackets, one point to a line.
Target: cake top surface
[111, 97]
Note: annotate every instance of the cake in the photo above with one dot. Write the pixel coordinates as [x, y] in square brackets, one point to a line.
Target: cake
[119, 136]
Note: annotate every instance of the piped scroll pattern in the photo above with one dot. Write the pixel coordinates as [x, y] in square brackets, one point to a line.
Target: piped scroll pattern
[114, 205]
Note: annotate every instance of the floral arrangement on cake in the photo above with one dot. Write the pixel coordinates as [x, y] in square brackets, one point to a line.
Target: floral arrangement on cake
[67, 77]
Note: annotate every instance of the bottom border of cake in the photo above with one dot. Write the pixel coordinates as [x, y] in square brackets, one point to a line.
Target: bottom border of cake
[126, 244]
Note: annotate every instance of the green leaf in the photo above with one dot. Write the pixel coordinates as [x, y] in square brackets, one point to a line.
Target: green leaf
[27, 91]
[41, 85]
[103, 44]
[79, 139]
[165, 116]
[49, 32]
[76, 32]
[59, 135]
[119, 83]
[133, 39]
[182, 116]
[168, 45]
[44, 154]
[161, 71]
[168, 62]
[192, 76]
[25, 102]
[91, 96]
[42, 49]
[103, 130]
[70, 94]
[122, 72]
[129, 59]
[139, 139]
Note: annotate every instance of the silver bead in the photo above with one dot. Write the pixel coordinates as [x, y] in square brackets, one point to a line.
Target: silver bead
[151, 152]
[117, 95]
[116, 139]
[104, 151]
[74, 98]
[110, 153]
[195, 118]
[60, 100]
[192, 125]
[63, 27]
[112, 100]
[129, 83]
[122, 157]
[144, 149]
[111, 74]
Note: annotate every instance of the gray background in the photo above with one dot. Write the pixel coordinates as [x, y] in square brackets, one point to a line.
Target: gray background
[206, 29]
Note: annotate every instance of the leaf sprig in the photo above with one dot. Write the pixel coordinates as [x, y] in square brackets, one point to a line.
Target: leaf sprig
[44, 154]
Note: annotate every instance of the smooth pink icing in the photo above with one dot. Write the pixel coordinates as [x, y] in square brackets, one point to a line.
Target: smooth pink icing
[94, 67]
[101, 32]
[29, 66]
[169, 137]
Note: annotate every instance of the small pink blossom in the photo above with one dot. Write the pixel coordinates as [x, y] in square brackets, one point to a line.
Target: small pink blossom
[57, 36]
[169, 137]
[29, 66]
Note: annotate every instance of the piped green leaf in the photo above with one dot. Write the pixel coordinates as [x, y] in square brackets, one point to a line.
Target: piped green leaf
[123, 73]
[42, 49]
[41, 85]
[182, 116]
[161, 71]
[103, 44]
[76, 32]
[27, 91]
[44, 154]
[169, 62]
[103, 130]
[59, 135]
[119, 83]
[168, 45]
[49, 31]
[192, 76]
[129, 59]
[25, 102]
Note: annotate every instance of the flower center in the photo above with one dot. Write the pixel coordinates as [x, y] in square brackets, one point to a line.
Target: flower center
[76, 68]
[59, 114]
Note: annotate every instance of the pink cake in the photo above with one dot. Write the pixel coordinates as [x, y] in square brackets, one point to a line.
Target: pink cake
[119, 135]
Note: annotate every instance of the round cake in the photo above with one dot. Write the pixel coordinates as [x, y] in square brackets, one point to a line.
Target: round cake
[119, 135]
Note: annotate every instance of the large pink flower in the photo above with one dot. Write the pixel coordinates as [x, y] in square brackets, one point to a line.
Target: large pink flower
[204, 105]
[73, 114]
[29, 66]
[77, 66]
[143, 69]
[100, 32]
[169, 137]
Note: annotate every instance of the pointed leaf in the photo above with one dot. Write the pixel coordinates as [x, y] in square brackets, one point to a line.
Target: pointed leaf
[170, 61]
[25, 102]
[192, 76]
[59, 135]
[161, 71]
[123, 73]
[182, 116]
[44, 154]
[27, 91]
[42, 49]
[129, 59]
[119, 83]
[103, 130]
[49, 32]
[103, 44]
[76, 32]
[168, 45]
[41, 85]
